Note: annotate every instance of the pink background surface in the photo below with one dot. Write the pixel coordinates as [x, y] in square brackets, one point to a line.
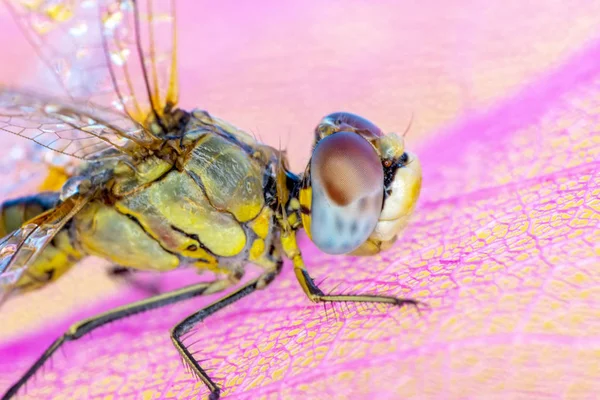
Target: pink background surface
[504, 246]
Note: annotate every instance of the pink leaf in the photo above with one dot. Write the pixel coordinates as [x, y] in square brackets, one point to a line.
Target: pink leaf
[505, 245]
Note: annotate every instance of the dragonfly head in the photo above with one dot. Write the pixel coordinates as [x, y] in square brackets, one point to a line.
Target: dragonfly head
[360, 186]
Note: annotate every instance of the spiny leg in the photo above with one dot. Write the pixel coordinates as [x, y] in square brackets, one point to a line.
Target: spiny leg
[312, 291]
[85, 326]
[188, 323]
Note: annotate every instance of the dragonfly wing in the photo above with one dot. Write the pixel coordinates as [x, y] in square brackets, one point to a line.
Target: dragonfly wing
[119, 54]
[81, 131]
[20, 249]
[142, 56]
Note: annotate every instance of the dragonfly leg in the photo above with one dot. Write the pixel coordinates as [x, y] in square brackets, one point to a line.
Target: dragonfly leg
[85, 326]
[312, 291]
[188, 323]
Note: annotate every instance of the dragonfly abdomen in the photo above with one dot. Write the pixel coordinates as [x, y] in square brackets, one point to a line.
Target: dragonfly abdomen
[15, 212]
[58, 256]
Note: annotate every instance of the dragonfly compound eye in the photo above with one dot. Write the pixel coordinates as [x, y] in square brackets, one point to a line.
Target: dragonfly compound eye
[347, 192]
[347, 122]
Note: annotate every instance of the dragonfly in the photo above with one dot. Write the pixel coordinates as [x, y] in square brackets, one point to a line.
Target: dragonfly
[156, 188]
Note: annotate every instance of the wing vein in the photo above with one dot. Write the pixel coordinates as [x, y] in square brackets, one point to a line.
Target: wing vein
[140, 52]
[173, 92]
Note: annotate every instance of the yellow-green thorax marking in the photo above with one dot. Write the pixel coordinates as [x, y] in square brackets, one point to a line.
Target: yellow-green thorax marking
[215, 208]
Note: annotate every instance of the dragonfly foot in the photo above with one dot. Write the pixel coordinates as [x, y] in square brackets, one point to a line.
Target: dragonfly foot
[215, 394]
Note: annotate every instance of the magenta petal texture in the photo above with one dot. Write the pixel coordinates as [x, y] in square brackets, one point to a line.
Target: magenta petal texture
[504, 248]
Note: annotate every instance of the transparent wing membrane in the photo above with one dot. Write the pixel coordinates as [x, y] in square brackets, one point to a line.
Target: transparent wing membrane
[116, 54]
[140, 46]
[83, 132]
